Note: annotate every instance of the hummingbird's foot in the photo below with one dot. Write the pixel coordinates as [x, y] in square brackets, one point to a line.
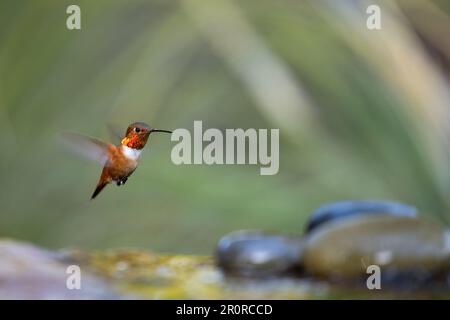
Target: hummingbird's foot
[121, 182]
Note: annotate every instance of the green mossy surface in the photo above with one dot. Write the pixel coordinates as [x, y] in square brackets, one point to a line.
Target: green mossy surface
[30, 272]
[143, 274]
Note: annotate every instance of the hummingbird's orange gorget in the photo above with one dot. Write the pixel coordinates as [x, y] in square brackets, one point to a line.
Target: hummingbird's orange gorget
[134, 142]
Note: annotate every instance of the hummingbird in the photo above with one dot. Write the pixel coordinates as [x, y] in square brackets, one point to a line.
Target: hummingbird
[119, 161]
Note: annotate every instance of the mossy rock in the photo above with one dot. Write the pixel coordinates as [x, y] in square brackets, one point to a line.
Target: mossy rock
[30, 272]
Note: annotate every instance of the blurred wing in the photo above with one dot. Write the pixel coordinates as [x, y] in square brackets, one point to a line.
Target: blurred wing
[88, 147]
[115, 132]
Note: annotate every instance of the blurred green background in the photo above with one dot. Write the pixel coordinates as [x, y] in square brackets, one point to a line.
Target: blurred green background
[362, 114]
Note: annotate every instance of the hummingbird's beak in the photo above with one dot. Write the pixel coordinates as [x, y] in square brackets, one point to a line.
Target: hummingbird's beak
[159, 130]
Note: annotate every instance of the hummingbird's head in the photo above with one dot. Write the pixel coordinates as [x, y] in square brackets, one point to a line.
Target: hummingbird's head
[137, 135]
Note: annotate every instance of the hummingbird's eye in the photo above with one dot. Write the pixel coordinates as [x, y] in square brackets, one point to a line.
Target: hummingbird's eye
[137, 130]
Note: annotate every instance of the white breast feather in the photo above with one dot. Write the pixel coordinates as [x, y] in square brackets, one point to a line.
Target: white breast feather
[131, 153]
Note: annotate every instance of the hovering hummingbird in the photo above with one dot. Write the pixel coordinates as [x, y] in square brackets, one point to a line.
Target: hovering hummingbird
[120, 161]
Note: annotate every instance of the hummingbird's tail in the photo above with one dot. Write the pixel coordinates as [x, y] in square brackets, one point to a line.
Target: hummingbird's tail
[102, 182]
[98, 189]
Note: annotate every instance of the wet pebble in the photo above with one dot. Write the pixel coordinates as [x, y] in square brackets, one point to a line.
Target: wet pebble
[399, 245]
[255, 253]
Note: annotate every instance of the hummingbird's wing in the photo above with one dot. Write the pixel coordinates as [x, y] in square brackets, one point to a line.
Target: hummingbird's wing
[115, 132]
[88, 147]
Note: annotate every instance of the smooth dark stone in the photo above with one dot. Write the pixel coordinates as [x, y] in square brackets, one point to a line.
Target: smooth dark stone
[350, 208]
[255, 253]
[403, 247]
